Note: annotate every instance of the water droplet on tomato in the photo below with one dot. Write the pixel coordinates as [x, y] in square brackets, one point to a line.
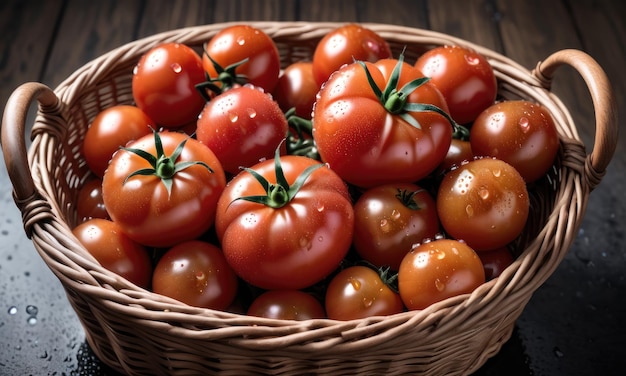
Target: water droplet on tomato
[440, 255]
[472, 60]
[395, 215]
[135, 69]
[524, 124]
[469, 210]
[496, 173]
[176, 67]
[320, 207]
[12, 310]
[305, 243]
[440, 286]
[483, 193]
[233, 117]
[241, 40]
[384, 225]
[356, 284]
[367, 302]
[32, 320]
[32, 310]
[251, 113]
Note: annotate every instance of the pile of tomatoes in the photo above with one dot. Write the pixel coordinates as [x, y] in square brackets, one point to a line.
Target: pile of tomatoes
[351, 185]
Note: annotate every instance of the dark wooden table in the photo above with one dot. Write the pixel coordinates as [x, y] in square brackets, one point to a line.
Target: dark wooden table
[574, 323]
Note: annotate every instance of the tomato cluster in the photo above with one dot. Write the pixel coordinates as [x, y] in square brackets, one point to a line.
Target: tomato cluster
[351, 185]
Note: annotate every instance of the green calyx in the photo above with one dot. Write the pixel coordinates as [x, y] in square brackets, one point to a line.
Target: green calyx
[300, 136]
[396, 101]
[227, 78]
[279, 194]
[161, 165]
[406, 197]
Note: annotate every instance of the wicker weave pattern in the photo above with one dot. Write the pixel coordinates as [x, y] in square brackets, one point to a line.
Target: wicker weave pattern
[138, 332]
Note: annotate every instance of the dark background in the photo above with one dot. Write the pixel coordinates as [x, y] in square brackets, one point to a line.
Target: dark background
[573, 325]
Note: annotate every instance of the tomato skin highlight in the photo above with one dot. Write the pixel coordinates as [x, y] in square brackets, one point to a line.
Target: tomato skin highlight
[115, 251]
[286, 305]
[464, 77]
[438, 270]
[521, 133]
[366, 144]
[196, 273]
[292, 247]
[142, 205]
[345, 44]
[242, 126]
[89, 203]
[358, 292]
[385, 229]
[297, 89]
[484, 202]
[164, 82]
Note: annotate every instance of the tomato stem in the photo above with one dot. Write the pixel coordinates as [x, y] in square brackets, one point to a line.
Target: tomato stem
[279, 194]
[227, 78]
[162, 166]
[302, 142]
[407, 198]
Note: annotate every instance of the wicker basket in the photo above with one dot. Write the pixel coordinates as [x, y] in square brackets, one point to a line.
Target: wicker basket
[139, 332]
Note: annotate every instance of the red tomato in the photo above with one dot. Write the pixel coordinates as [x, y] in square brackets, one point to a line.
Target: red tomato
[295, 239]
[297, 89]
[286, 305]
[371, 139]
[460, 151]
[111, 129]
[358, 292]
[90, 204]
[520, 133]
[438, 270]
[464, 77]
[389, 219]
[484, 203]
[235, 43]
[242, 126]
[168, 204]
[164, 83]
[345, 44]
[494, 262]
[195, 273]
[115, 251]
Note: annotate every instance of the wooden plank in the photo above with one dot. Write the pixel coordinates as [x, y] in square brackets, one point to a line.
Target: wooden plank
[26, 30]
[329, 10]
[88, 30]
[474, 21]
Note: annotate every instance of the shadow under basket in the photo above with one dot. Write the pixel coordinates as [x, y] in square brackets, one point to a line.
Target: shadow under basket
[135, 331]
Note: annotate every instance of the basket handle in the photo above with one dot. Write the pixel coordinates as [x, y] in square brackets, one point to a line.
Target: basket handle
[14, 143]
[604, 104]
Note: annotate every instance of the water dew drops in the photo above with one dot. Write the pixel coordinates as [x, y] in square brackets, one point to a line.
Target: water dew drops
[395, 214]
[233, 117]
[524, 124]
[483, 193]
[472, 60]
[251, 113]
[176, 67]
[12, 310]
[440, 286]
[241, 40]
[469, 210]
[367, 302]
[385, 226]
[32, 320]
[32, 310]
[496, 173]
[356, 284]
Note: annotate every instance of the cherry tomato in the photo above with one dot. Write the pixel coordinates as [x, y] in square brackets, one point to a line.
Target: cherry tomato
[287, 305]
[494, 262]
[484, 203]
[438, 270]
[298, 235]
[389, 219]
[460, 151]
[345, 44]
[464, 77]
[165, 204]
[297, 89]
[520, 133]
[242, 126]
[372, 138]
[195, 273]
[358, 292]
[90, 204]
[111, 129]
[115, 251]
[164, 83]
[235, 43]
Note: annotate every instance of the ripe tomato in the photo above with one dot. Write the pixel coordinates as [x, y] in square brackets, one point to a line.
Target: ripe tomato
[114, 250]
[297, 88]
[90, 204]
[296, 233]
[484, 203]
[389, 219]
[358, 292]
[520, 133]
[287, 305]
[460, 151]
[195, 273]
[166, 200]
[373, 134]
[464, 77]
[242, 126]
[495, 261]
[164, 83]
[232, 45]
[438, 270]
[111, 129]
[345, 44]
